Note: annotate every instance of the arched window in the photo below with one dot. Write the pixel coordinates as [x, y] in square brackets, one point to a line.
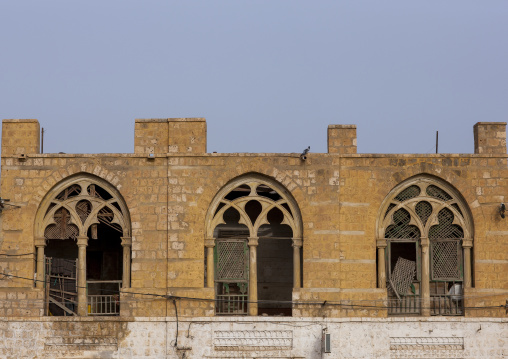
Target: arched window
[83, 247]
[424, 248]
[253, 240]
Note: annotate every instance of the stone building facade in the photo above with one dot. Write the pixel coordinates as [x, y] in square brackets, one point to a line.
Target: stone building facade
[173, 252]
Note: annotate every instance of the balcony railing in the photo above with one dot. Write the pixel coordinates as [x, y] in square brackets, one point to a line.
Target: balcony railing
[231, 304]
[446, 298]
[107, 301]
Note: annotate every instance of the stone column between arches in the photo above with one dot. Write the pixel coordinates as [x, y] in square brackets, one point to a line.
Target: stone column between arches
[126, 270]
[425, 245]
[253, 276]
[210, 269]
[40, 245]
[467, 244]
[297, 277]
[82, 299]
[381, 265]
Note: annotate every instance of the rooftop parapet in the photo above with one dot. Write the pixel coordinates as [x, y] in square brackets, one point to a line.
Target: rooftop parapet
[490, 138]
[342, 139]
[170, 135]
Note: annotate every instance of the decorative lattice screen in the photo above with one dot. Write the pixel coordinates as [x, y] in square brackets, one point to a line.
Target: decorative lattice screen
[402, 276]
[424, 210]
[446, 260]
[55, 232]
[437, 192]
[410, 192]
[401, 228]
[445, 228]
[62, 229]
[232, 260]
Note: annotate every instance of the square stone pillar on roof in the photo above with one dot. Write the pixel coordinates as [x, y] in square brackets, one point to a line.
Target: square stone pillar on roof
[20, 137]
[342, 139]
[490, 138]
[170, 135]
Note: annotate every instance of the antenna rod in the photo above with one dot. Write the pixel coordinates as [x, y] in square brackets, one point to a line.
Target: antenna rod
[437, 141]
[42, 140]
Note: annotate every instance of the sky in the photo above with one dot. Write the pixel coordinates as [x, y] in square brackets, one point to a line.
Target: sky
[268, 76]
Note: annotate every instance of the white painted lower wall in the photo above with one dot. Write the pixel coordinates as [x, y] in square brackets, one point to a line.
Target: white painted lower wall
[253, 337]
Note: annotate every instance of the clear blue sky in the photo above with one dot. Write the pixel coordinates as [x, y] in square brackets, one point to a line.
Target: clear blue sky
[268, 76]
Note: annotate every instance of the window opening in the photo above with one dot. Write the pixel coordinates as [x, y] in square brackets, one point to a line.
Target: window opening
[61, 277]
[275, 266]
[265, 191]
[83, 209]
[117, 206]
[98, 192]
[286, 206]
[84, 213]
[240, 191]
[104, 270]
[403, 231]
[69, 192]
[403, 279]
[219, 207]
[254, 212]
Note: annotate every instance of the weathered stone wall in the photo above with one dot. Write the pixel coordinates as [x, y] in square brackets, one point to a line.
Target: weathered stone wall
[339, 195]
[490, 137]
[202, 338]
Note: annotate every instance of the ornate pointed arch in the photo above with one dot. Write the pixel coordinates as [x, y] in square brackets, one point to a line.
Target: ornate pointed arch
[251, 209]
[425, 188]
[251, 185]
[424, 240]
[76, 208]
[84, 196]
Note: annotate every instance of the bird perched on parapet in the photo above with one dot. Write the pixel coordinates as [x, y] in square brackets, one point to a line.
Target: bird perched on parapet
[3, 204]
[303, 156]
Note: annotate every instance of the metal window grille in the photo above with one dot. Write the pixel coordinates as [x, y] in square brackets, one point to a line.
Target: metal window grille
[438, 193]
[446, 260]
[231, 276]
[410, 192]
[232, 260]
[423, 210]
[445, 228]
[401, 229]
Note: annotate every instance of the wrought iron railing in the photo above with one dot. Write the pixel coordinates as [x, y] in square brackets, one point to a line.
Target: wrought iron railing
[102, 303]
[446, 298]
[406, 305]
[231, 304]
